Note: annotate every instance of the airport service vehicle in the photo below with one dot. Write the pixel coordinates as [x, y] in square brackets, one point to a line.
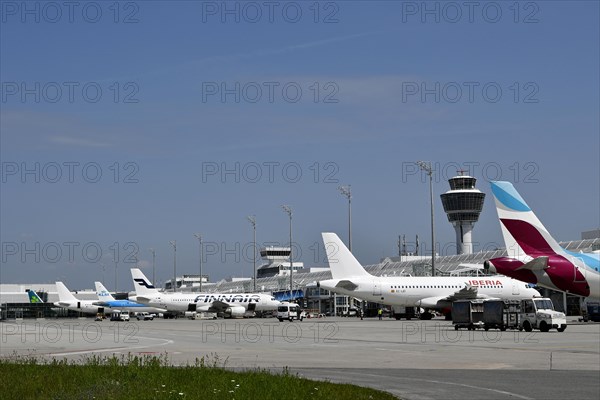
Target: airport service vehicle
[501, 314]
[118, 315]
[144, 316]
[539, 314]
[234, 305]
[592, 312]
[430, 293]
[289, 311]
[467, 314]
[533, 254]
[405, 312]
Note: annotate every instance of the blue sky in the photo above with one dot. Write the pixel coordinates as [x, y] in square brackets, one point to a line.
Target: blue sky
[348, 92]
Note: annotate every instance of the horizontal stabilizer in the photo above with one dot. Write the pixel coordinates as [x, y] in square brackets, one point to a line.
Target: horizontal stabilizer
[537, 264]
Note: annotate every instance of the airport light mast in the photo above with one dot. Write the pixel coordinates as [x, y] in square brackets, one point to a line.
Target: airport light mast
[463, 204]
[199, 237]
[347, 191]
[153, 265]
[174, 244]
[252, 220]
[429, 170]
[288, 210]
[116, 267]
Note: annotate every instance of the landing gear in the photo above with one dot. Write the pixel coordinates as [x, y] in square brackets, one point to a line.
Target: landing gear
[426, 316]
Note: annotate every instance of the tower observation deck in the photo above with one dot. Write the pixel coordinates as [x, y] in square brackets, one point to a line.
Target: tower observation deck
[463, 204]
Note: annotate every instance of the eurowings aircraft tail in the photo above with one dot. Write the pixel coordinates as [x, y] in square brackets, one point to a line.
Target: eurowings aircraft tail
[534, 255]
[143, 287]
[524, 234]
[342, 262]
[33, 297]
[63, 293]
[102, 293]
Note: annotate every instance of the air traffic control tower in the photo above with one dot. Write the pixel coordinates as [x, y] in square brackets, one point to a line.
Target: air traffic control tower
[463, 204]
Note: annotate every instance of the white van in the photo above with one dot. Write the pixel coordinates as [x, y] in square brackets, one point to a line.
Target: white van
[289, 311]
[118, 315]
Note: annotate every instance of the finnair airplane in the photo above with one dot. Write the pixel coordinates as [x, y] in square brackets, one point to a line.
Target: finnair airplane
[233, 304]
[105, 299]
[430, 293]
[67, 300]
[533, 254]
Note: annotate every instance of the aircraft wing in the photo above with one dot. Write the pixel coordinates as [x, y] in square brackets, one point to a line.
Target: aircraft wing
[218, 306]
[100, 304]
[467, 293]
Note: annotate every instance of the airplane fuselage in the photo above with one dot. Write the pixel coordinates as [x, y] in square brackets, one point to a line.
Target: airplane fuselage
[86, 306]
[126, 305]
[561, 274]
[204, 301]
[427, 292]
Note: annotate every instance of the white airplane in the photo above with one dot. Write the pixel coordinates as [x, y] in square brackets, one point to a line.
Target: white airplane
[105, 299]
[233, 304]
[67, 300]
[430, 293]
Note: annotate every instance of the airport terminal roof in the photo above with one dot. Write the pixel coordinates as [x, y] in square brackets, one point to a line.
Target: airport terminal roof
[462, 264]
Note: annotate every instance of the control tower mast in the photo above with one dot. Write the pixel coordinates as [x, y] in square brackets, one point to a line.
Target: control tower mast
[463, 204]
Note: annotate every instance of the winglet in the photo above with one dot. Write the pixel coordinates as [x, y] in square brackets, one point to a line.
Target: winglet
[342, 262]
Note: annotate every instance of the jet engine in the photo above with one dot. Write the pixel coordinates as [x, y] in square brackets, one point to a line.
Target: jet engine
[235, 312]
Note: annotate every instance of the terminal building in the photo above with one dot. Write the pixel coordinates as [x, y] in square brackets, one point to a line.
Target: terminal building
[462, 203]
[322, 301]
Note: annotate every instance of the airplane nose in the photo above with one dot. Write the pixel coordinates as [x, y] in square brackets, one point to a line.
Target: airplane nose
[489, 267]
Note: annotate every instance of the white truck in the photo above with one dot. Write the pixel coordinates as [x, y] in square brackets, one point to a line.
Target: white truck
[290, 311]
[539, 313]
[118, 315]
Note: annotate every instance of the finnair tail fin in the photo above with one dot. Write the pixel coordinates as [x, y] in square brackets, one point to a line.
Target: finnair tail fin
[33, 297]
[342, 262]
[143, 286]
[102, 293]
[64, 295]
[524, 234]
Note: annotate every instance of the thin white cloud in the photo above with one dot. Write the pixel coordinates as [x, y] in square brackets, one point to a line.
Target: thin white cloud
[80, 142]
[241, 56]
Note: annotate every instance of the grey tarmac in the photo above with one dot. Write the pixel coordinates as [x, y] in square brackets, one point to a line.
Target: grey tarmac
[411, 359]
